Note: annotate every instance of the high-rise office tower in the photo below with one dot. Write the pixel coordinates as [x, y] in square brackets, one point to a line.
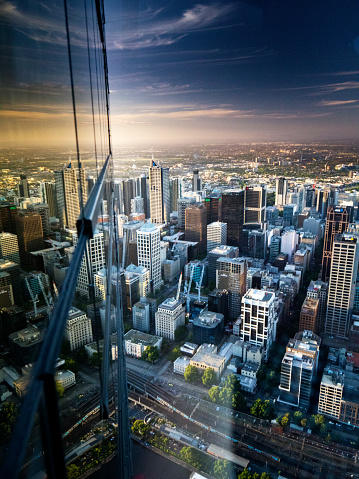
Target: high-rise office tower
[213, 204]
[148, 250]
[232, 276]
[196, 181]
[8, 215]
[319, 290]
[338, 219]
[258, 319]
[342, 284]
[137, 205]
[255, 202]
[159, 182]
[71, 187]
[129, 192]
[78, 329]
[175, 192]
[299, 366]
[289, 214]
[144, 194]
[42, 209]
[309, 197]
[308, 320]
[281, 191]
[182, 205]
[29, 235]
[233, 215]
[196, 226]
[48, 195]
[129, 234]
[169, 316]
[9, 248]
[90, 180]
[216, 235]
[24, 190]
[222, 251]
[143, 278]
[96, 254]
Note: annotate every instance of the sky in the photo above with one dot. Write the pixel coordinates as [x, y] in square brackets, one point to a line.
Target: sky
[183, 72]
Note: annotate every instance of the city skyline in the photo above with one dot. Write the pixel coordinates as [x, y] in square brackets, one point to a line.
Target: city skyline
[189, 72]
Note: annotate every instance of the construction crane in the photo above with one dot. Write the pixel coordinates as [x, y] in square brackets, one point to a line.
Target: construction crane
[48, 300]
[199, 284]
[175, 242]
[315, 183]
[34, 298]
[179, 287]
[188, 299]
[55, 289]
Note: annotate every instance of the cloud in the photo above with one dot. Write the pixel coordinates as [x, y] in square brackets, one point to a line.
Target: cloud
[342, 86]
[162, 32]
[337, 102]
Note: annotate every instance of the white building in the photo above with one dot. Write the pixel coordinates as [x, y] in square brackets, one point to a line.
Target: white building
[121, 219]
[137, 205]
[169, 316]
[281, 191]
[65, 378]
[179, 366]
[143, 277]
[148, 252]
[136, 342]
[342, 285]
[289, 241]
[182, 204]
[96, 253]
[258, 319]
[216, 235]
[78, 329]
[9, 248]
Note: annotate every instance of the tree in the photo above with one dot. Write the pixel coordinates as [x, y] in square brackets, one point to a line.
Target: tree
[8, 415]
[191, 374]
[176, 353]
[304, 422]
[245, 474]
[232, 383]
[209, 377]
[73, 471]
[140, 428]
[298, 417]
[263, 409]
[213, 394]
[222, 469]
[285, 420]
[165, 346]
[194, 457]
[72, 365]
[59, 389]
[151, 354]
[96, 359]
[181, 333]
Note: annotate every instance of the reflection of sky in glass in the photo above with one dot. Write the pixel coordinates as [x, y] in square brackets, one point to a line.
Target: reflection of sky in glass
[186, 71]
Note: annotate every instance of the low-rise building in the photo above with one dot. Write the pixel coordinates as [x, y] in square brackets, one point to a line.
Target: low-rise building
[65, 378]
[179, 366]
[78, 328]
[136, 342]
[206, 357]
[250, 370]
[169, 316]
[309, 315]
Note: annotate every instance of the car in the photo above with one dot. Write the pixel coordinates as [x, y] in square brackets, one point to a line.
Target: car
[217, 408]
[170, 384]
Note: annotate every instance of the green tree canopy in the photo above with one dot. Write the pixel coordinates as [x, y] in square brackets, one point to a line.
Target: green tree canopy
[194, 457]
[73, 471]
[8, 415]
[175, 353]
[181, 333]
[191, 374]
[263, 409]
[151, 354]
[209, 377]
[297, 417]
[140, 428]
[59, 389]
[222, 469]
[72, 365]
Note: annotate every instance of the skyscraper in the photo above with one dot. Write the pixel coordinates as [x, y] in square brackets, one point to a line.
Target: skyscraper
[144, 195]
[24, 190]
[29, 235]
[48, 195]
[70, 188]
[169, 316]
[258, 321]
[159, 193]
[182, 204]
[233, 215]
[148, 250]
[9, 247]
[281, 191]
[42, 209]
[196, 181]
[342, 284]
[216, 235]
[255, 202]
[8, 215]
[299, 366]
[129, 192]
[338, 219]
[213, 204]
[175, 192]
[96, 254]
[231, 275]
[196, 226]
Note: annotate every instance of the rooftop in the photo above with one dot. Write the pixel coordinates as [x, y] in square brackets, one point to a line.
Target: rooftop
[208, 319]
[170, 303]
[142, 338]
[259, 295]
